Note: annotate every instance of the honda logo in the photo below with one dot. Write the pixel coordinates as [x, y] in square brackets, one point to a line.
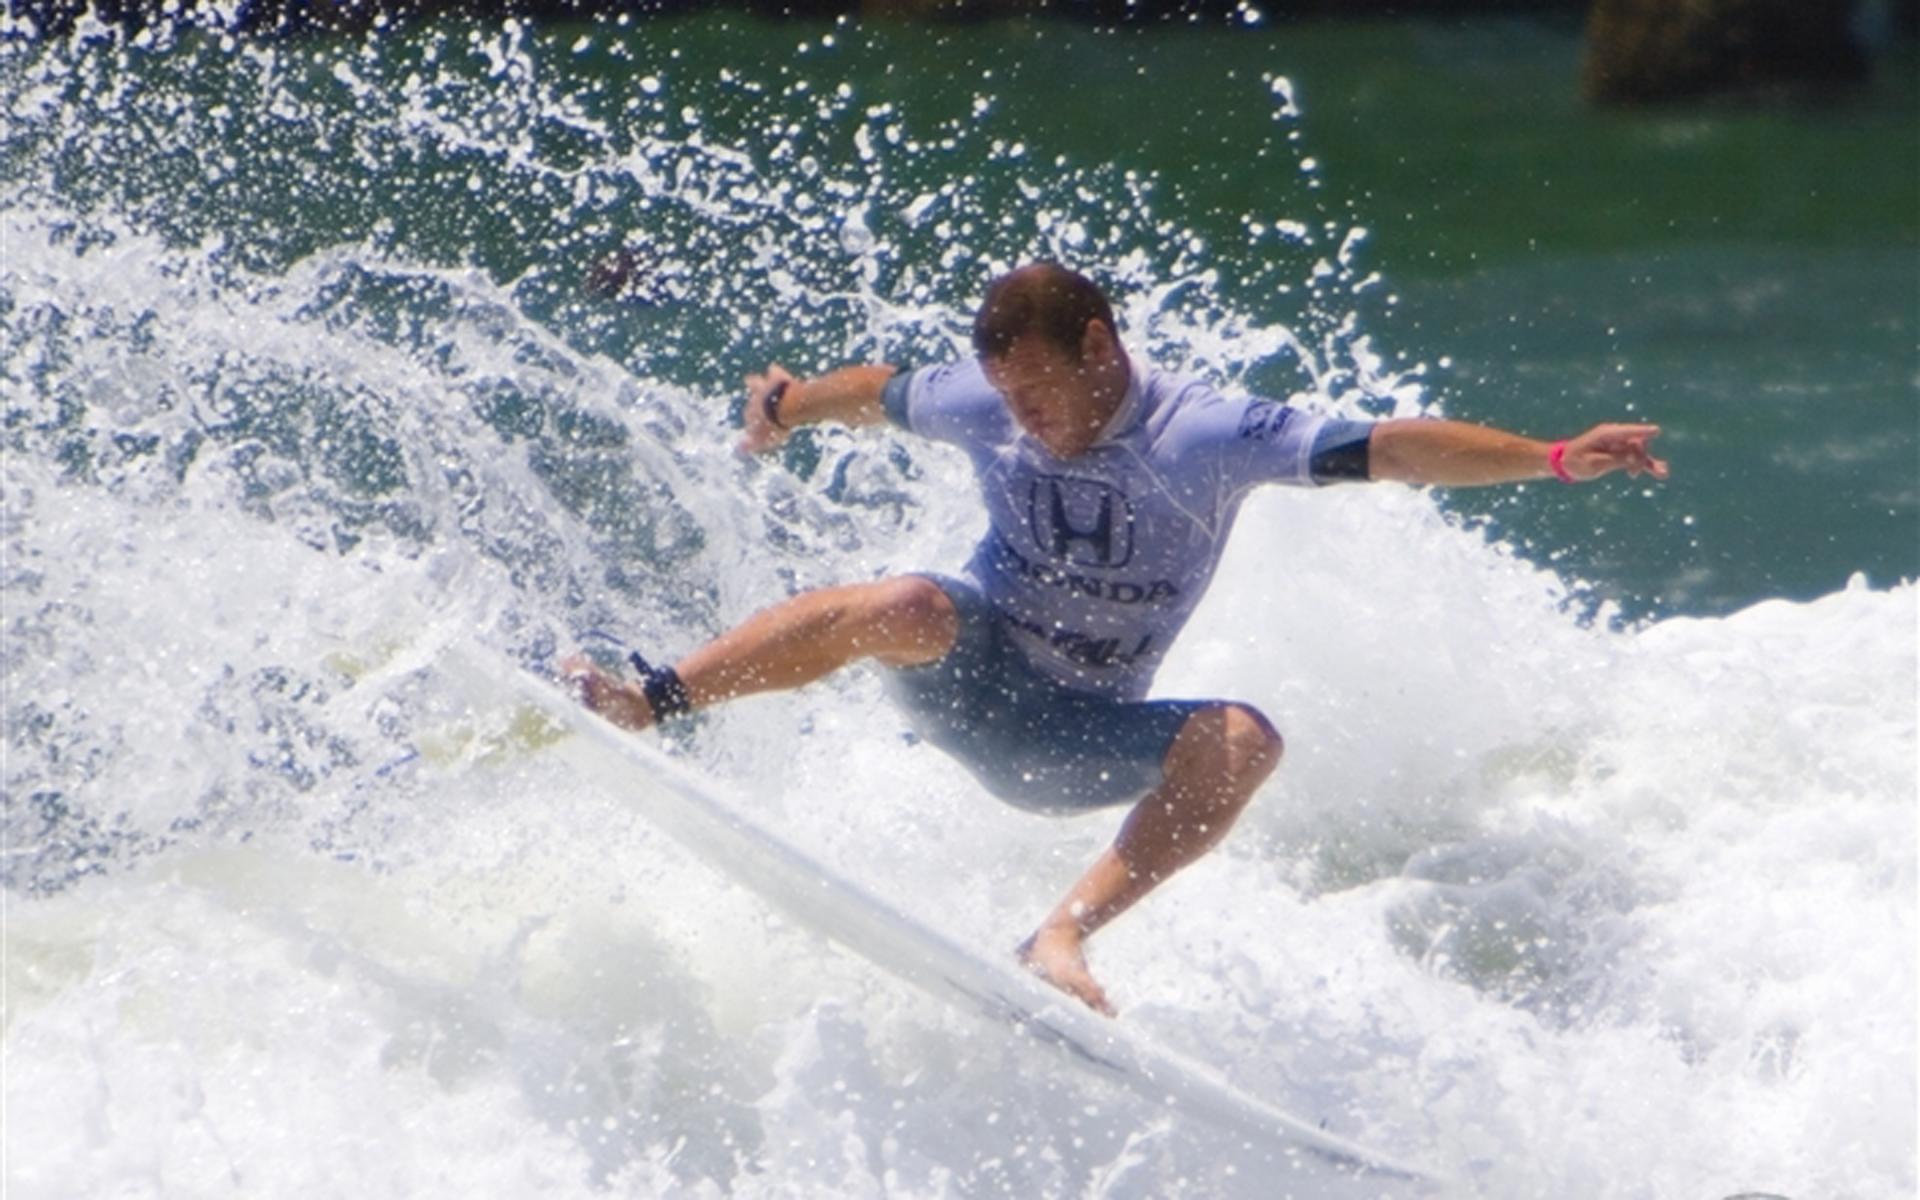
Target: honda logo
[1080, 521]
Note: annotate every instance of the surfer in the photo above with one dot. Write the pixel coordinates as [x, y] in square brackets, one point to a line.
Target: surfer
[1110, 487]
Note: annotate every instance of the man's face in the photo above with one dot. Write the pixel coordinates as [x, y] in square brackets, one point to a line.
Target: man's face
[1063, 402]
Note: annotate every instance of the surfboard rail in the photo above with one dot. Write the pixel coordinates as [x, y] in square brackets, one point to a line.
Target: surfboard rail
[695, 812]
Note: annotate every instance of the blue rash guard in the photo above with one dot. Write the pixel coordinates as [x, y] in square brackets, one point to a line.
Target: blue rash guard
[1096, 562]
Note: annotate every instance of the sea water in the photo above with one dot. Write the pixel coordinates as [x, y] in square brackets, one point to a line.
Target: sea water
[319, 356]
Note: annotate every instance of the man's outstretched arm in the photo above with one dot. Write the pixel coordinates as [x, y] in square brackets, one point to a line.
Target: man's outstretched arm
[848, 396]
[1456, 454]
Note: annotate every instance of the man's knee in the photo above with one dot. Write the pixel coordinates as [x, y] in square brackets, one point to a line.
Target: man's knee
[1234, 740]
[917, 618]
[1253, 738]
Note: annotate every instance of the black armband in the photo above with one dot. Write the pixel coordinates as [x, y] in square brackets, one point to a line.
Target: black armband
[1340, 452]
[666, 694]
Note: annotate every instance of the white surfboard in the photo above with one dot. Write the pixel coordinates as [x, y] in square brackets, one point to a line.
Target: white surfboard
[694, 812]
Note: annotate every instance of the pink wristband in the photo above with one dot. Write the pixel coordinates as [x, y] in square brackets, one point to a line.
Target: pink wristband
[1557, 459]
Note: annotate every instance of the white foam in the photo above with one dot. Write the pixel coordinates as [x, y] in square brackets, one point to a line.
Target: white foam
[1560, 908]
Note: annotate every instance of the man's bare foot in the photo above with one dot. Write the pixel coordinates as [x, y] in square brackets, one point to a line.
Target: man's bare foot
[613, 698]
[1054, 954]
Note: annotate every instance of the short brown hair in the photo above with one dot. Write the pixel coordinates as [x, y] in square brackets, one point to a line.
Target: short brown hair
[1044, 299]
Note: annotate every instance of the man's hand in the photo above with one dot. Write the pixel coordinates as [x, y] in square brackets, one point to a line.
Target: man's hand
[617, 700]
[759, 434]
[1608, 448]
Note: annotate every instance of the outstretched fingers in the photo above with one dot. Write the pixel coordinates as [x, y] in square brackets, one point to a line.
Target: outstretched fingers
[1608, 448]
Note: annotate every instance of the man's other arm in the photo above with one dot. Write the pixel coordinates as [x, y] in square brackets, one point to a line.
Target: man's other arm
[1456, 454]
[848, 396]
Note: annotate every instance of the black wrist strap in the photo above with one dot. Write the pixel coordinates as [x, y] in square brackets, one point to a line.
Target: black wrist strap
[666, 695]
[770, 404]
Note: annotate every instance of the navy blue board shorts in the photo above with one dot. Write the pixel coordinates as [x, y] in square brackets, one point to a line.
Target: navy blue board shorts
[1034, 743]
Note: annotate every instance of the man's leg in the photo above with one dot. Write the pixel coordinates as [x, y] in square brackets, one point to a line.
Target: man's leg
[902, 622]
[1218, 760]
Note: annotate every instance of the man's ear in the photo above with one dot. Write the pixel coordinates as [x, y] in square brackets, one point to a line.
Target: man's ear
[1098, 342]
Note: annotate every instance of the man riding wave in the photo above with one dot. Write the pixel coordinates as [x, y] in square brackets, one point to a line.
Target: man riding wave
[1110, 489]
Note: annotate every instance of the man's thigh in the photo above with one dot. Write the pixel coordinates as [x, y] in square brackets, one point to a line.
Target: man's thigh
[1028, 740]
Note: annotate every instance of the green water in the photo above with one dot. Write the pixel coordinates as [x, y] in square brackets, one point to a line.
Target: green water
[1745, 273]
